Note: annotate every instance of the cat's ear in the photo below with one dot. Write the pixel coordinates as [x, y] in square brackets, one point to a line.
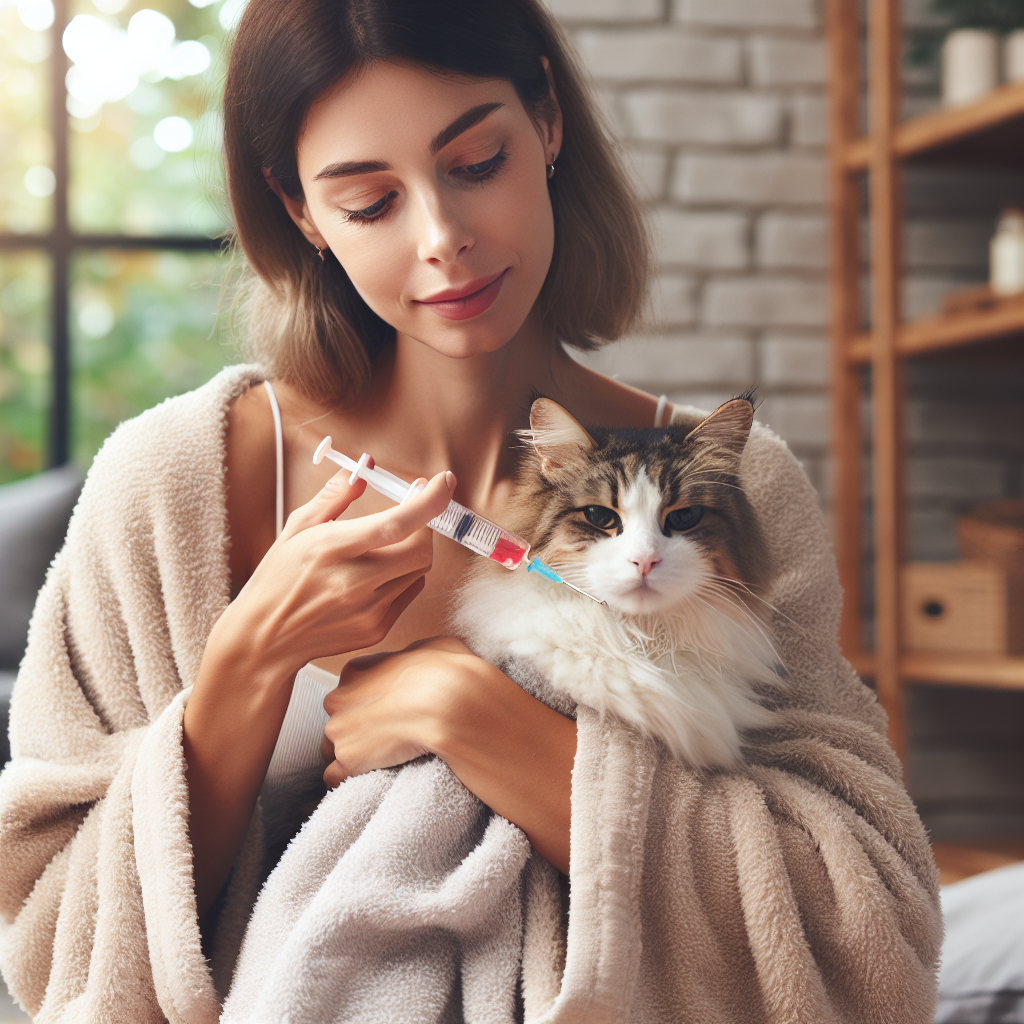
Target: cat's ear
[556, 435]
[728, 426]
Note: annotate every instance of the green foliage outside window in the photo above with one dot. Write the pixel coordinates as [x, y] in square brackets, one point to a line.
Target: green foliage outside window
[144, 150]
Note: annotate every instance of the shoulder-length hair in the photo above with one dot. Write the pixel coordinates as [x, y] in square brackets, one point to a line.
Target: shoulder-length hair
[307, 324]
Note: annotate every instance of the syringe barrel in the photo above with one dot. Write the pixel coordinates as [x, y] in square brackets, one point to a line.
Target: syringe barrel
[480, 535]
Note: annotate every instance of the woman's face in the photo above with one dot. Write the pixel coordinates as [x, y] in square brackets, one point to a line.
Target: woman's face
[432, 193]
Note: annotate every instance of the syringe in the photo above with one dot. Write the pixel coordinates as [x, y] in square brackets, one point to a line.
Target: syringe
[457, 522]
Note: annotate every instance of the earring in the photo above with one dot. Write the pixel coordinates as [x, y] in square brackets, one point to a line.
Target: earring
[320, 252]
[551, 169]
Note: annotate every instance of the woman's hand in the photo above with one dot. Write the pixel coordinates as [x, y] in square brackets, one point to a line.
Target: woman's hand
[327, 587]
[323, 588]
[437, 697]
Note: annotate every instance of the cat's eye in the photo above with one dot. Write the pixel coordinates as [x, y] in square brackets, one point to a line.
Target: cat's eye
[679, 520]
[601, 517]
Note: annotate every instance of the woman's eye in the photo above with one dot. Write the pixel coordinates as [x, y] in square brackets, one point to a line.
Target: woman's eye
[371, 212]
[601, 517]
[682, 519]
[484, 169]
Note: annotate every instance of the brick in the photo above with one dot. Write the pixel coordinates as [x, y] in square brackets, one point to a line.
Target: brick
[800, 420]
[792, 361]
[673, 300]
[667, 362]
[650, 171]
[708, 240]
[762, 180]
[948, 245]
[764, 302]
[747, 13]
[969, 479]
[775, 62]
[942, 420]
[809, 121]
[784, 240]
[662, 53]
[742, 119]
[606, 10]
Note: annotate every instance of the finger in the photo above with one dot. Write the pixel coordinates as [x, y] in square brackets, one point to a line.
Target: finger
[394, 525]
[335, 775]
[328, 503]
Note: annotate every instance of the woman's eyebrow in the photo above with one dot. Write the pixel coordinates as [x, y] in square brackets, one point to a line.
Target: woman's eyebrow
[461, 124]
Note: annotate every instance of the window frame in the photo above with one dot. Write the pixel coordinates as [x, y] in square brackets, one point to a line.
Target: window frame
[61, 244]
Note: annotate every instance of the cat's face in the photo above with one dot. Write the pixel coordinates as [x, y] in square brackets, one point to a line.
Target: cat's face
[646, 520]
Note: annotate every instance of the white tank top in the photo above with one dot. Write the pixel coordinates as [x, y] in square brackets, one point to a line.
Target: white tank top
[297, 754]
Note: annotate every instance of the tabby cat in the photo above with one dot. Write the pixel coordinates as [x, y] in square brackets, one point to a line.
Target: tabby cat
[655, 523]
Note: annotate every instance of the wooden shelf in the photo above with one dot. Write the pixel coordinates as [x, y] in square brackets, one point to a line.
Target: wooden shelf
[956, 862]
[949, 330]
[988, 131]
[985, 670]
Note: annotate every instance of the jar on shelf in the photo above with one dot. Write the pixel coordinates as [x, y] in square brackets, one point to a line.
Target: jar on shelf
[1013, 56]
[970, 65]
[1006, 262]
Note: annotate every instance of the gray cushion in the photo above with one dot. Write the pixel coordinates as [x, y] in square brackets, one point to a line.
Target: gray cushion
[982, 979]
[6, 686]
[34, 516]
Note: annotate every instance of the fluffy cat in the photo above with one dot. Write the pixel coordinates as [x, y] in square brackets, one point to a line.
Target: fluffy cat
[655, 523]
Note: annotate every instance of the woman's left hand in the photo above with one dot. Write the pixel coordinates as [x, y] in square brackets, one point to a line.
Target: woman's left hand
[390, 708]
[437, 697]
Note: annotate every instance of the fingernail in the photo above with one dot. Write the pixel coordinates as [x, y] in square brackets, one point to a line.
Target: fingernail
[449, 479]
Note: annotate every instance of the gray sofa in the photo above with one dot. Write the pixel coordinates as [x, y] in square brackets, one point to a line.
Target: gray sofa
[34, 516]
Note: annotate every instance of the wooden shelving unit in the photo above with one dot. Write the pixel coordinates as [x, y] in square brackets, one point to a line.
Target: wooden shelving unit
[988, 132]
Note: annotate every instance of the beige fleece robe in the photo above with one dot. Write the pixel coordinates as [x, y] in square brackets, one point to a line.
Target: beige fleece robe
[798, 888]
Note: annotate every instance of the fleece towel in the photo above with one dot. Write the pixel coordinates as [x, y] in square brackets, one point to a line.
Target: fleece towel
[798, 887]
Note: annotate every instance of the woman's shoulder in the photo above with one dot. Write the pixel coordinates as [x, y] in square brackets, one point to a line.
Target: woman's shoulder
[179, 432]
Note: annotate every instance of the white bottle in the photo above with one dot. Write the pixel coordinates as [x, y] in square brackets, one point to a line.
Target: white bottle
[970, 65]
[1013, 56]
[1006, 263]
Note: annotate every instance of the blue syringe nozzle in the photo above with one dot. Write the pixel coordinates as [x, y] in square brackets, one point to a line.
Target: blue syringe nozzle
[537, 566]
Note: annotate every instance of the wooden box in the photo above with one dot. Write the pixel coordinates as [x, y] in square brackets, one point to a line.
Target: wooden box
[973, 606]
[994, 530]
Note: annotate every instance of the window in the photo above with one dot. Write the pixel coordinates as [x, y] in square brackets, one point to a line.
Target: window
[111, 206]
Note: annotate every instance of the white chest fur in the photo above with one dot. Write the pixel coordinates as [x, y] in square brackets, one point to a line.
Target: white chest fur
[689, 677]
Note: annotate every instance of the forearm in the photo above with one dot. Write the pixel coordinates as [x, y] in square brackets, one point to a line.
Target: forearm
[516, 754]
[230, 727]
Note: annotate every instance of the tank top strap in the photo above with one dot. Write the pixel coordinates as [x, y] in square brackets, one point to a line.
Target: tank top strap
[660, 419]
[278, 459]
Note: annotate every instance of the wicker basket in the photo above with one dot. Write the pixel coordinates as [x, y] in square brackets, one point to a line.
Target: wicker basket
[994, 530]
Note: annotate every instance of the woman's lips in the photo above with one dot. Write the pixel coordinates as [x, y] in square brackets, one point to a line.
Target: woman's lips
[463, 303]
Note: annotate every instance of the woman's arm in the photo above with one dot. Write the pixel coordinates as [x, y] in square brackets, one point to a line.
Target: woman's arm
[324, 588]
[514, 752]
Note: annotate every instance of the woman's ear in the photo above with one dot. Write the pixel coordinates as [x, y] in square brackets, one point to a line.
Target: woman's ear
[551, 118]
[298, 212]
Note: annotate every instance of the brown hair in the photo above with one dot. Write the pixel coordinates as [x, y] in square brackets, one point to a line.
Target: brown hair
[308, 325]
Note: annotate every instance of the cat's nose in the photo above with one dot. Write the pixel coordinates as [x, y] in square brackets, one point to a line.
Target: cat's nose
[645, 563]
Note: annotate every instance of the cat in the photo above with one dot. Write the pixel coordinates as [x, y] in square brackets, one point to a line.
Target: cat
[653, 522]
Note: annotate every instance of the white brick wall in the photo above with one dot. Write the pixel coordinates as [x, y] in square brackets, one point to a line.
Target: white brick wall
[720, 103]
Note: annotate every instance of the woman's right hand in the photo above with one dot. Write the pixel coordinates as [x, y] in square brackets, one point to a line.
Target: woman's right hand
[329, 587]
[323, 588]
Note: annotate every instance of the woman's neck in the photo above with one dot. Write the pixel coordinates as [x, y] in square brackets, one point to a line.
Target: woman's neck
[459, 413]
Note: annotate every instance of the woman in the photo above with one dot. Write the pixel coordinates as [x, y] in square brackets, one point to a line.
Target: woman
[430, 206]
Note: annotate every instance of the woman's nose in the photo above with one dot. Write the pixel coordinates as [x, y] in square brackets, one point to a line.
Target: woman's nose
[444, 236]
